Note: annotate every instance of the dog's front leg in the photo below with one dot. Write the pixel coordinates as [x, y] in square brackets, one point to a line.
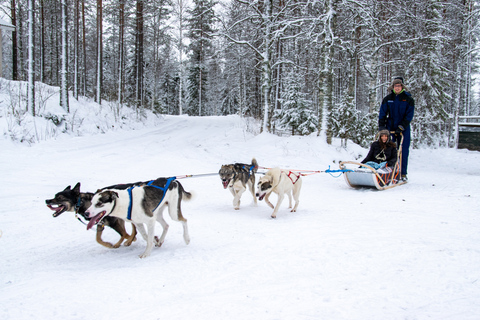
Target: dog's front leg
[119, 226]
[268, 201]
[277, 207]
[238, 190]
[236, 199]
[132, 236]
[100, 229]
[141, 229]
[150, 236]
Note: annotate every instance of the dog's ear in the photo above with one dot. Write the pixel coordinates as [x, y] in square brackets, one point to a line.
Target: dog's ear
[76, 189]
[108, 196]
[111, 195]
[67, 188]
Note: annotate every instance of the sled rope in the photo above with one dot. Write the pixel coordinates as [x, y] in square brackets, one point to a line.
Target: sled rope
[310, 172]
[197, 175]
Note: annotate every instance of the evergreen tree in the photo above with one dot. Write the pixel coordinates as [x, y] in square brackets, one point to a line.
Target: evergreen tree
[201, 32]
[296, 112]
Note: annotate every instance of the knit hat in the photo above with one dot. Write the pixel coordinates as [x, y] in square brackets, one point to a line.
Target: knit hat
[383, 132]
[397, 80]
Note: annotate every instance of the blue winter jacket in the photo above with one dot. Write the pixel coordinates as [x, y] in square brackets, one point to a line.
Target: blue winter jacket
[396, 110]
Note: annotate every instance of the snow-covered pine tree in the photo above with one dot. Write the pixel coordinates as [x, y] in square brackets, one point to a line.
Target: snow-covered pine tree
[200, 34]
[297, 110]
[343, 119]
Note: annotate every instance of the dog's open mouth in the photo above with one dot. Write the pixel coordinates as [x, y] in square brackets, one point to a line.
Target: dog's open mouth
[58, 208]
[261, 196]
[225, 183]
[93, 221]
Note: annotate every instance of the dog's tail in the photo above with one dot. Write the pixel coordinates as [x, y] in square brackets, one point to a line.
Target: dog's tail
[255, 165]
[184, 195]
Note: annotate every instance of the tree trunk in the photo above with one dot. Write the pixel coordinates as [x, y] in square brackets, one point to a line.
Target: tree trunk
[84, 47]
[31, 58]
[76, 49]
[14, 43]
[139, 54]
[121, 64]
[99, 52]
[267, 67]
[42, 41]
[64, 71]
[180, 50]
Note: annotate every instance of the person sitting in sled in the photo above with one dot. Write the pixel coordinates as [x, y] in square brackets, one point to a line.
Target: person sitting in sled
[383, 152]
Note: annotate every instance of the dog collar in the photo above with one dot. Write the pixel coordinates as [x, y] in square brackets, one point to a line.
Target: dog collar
[78, 204]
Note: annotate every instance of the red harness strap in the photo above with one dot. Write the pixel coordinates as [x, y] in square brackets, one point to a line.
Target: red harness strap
[297, 176]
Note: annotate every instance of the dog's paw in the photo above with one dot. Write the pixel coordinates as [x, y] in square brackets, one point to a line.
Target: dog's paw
[128, 243]
[274, 216]
[107, 244]
[157, 241]
[237, 208]
[293, 210]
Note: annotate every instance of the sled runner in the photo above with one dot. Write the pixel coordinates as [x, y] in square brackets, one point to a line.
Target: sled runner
[361, 175]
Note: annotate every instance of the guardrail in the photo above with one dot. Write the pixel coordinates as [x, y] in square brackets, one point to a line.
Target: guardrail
[469, 137]
[468, 124]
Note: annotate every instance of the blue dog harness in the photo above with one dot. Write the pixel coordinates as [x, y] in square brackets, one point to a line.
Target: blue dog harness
[150, 184]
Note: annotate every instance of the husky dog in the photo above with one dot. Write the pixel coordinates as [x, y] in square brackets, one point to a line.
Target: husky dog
[281, 182]
[75, 201]
[142, 205]
[236, 177]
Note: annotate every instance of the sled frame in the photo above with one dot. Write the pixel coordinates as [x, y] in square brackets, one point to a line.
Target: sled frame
[372, 178]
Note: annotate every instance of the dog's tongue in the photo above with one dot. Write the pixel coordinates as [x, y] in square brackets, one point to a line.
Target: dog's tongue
[56, 209]
[261, 197]
[225, 184]
[93, 221]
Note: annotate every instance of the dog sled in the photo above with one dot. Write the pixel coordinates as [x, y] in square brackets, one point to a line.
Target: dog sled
[360, 175]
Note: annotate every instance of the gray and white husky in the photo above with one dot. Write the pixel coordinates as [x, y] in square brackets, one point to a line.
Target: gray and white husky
[236, 177]
[143, 205]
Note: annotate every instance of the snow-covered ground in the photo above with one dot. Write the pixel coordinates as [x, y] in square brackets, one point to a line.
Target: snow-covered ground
[411, 252]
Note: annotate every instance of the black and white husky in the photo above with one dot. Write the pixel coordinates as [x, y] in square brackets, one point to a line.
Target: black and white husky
[75, 201]
[143, 205]
[236, 177]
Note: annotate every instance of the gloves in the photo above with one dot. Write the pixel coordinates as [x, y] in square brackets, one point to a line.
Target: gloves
[399, 130]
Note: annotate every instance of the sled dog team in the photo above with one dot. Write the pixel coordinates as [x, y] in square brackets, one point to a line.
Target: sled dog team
[142, 203]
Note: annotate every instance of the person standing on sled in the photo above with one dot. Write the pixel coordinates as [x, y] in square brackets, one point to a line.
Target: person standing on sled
[383, 152]
[396, 113]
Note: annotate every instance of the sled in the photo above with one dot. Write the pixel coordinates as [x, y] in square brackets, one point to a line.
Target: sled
[359, 175]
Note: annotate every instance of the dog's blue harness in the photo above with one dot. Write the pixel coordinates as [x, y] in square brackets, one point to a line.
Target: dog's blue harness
[250, 169]
[150, 184]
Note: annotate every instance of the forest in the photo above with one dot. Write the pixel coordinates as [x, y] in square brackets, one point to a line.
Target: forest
[298, 66]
